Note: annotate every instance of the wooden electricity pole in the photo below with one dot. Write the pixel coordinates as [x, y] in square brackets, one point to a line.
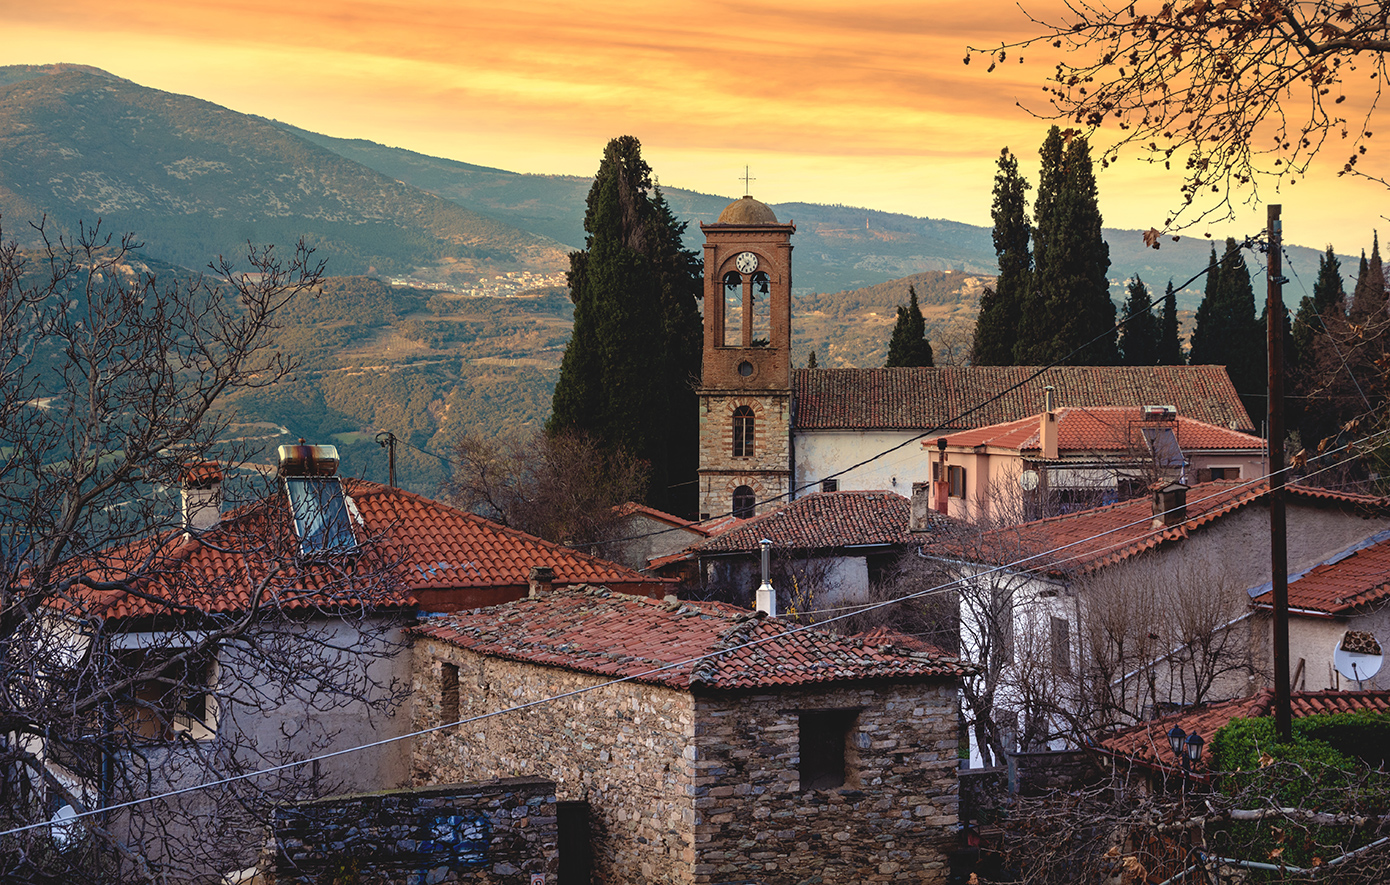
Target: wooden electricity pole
[1278, 522]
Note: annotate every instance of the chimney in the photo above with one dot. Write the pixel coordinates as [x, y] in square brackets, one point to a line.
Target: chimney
[1170, 504]
[920, 520]
[202, 497]
[541, 579]
[766, 596]
[1047, 430]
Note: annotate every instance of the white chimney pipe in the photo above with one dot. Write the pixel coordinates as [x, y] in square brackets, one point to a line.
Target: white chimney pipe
[202, 497]
[766, 597]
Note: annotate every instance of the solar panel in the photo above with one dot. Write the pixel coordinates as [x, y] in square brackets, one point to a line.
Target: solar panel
[321, 515]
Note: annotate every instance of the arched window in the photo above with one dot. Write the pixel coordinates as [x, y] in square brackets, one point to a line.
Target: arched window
[743, 502]
[743, 432]
[733, 309]
[762, 308]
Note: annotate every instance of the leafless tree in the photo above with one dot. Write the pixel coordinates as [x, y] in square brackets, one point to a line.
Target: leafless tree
[122, 674]
[561, 487]
[1225, 91]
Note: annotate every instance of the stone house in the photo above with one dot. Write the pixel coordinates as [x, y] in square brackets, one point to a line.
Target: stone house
[710, 743]
[828, 548]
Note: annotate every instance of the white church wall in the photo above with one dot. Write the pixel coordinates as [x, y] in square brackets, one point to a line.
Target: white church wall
[821, 453]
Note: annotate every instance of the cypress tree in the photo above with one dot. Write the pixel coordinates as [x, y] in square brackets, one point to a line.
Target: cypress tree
[1068, 314]
[1139, 335]
[626, 375]
[1368, 298]
[996, 327]
[1314, 312]
[909, 346]
[1227, 332]
[811, 361]
[1169, 337]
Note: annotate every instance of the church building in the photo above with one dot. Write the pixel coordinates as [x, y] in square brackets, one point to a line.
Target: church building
[770, 433]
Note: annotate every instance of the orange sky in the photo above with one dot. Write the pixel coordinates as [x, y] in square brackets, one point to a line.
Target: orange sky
[830, 102]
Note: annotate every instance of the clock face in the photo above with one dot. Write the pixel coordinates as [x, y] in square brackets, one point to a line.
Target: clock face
[746, 262]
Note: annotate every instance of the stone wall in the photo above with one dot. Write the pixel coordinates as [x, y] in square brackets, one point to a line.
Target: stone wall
[767, 471]
[706, 788]
[893, 820]
[502, 832]
[625, 749]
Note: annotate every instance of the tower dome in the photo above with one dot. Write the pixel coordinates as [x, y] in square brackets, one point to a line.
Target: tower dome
[746, 210]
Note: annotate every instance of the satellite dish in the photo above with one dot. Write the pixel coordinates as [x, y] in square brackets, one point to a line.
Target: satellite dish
[63, 830]
[1357, 656]
[1028, 480]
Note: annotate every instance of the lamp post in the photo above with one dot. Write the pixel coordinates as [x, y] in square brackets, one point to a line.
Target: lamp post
[1188, 749]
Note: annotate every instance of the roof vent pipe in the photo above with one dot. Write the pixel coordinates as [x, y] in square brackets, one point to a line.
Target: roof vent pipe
[766, 597]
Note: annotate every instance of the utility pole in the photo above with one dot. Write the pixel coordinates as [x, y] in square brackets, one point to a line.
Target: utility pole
[1278, 522]
[387, 440]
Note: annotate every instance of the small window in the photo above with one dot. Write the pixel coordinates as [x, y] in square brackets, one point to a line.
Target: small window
[822, 739]
[744, 502]
[1061, 645]
[830, 485]
[448, 693]
[956, 477]
[1225, 473]
[743, 432]
[176, 701]
[321, 516]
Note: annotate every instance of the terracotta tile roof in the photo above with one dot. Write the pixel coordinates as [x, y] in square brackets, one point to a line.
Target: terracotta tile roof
[595, 630]
[824, 520]
[1341, 584]
[1091, 539]
[1147, 744]
[411, 546]
[888, 636]
[1103, 429]
[921, 399]
[632, 508]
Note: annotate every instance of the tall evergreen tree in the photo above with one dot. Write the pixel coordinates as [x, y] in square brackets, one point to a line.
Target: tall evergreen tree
[1368, 298]
[1169, 335]
[1068, 314]
[1324, 377]
[811, 361]
[1329, 295]
[1139, 335]
[996, 327]
[909, 346]
[1227, 332]
[627, 375]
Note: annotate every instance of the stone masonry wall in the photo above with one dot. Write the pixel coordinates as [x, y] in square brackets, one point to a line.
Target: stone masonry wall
[893, 821]
[767, 471]
[705, 789]
[497, 833]
[625, 749]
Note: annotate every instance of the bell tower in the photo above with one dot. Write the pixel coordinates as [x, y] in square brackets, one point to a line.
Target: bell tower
[745, 391]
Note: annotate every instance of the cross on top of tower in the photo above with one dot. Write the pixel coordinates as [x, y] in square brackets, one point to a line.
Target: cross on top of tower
[746, 178]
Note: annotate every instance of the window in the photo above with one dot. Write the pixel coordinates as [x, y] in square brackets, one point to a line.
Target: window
[321, 516]
[830, 485]
[1061, 645]
[744, 502]
[743, 432]
[1225, 473]
[448, 693]
[733, 310]
[822, 739]
[176, 701]
[956, 477]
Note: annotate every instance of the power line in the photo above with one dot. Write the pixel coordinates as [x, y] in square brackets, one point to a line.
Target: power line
[793, 630]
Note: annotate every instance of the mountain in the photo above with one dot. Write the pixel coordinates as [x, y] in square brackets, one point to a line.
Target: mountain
[194, 180]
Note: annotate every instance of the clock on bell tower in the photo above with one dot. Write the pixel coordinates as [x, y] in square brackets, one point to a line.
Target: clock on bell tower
[745, 389]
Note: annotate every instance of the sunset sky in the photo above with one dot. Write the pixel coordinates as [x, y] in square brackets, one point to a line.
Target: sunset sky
[827, 101]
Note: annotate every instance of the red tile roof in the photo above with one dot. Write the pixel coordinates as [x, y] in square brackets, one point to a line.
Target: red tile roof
[824, 520]
[1102, 429]
[888, 636]
[413, 549]
[1337, 586]
[1147, 744]
[1101, 536]
[632, 508]
[674, 643]
[955, 397]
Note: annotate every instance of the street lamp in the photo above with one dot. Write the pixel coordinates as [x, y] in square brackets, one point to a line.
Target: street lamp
[1186, 747]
